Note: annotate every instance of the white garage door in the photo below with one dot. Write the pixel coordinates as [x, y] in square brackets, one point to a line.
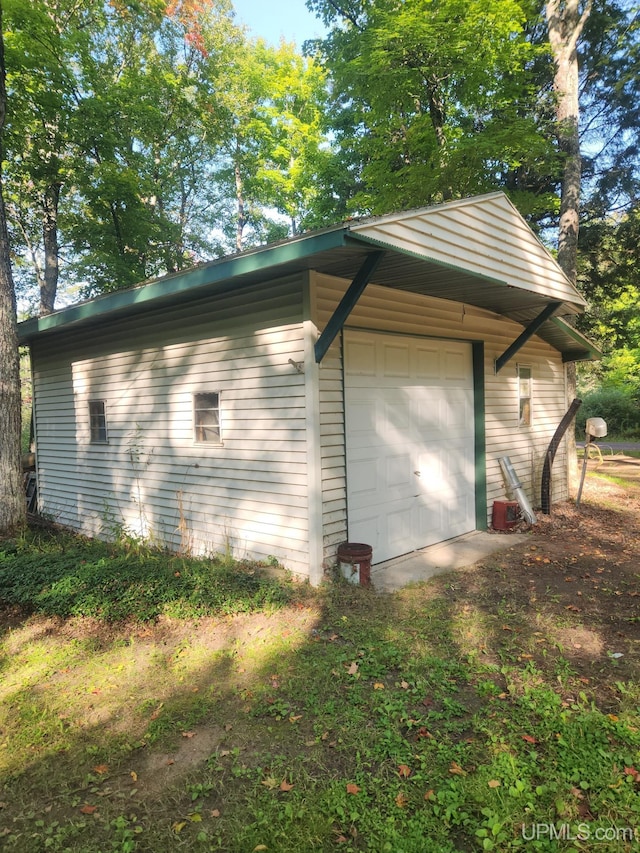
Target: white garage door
[409, 441]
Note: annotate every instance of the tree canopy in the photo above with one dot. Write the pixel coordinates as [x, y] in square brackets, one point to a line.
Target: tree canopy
[439, 100]
[142, 137]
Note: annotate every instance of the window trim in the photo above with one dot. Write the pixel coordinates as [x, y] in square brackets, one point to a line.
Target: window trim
[99, 434]
[202, 426]
[523, 398]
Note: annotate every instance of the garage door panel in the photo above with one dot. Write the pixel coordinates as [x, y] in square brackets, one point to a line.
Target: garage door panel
[456, 366]
[410, 446]
[381, 479]
[442, 407]
[430, 522]
[442, 470]
[398, 475]
[361, 357]
[388, 534]
[457, 509]
[378, 417]
[427, 362]
[364, 527]
[430, 467]
[398, 530]
[364, 477]
[362, 422]
[395, 415]
[395, 360]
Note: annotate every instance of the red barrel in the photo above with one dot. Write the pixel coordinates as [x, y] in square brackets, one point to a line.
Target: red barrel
[355, 562]
[506, 514]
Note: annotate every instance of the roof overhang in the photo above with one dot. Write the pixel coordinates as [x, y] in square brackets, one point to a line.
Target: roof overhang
[476, 270]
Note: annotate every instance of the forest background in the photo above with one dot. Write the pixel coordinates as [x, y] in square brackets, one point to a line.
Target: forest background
[144, 136]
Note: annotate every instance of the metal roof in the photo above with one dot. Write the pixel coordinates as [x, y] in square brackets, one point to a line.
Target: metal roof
[477, 251]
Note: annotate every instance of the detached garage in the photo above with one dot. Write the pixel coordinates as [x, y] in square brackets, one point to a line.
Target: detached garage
[358, 383]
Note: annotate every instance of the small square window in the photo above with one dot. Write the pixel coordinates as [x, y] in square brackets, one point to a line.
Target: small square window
[97, 422]
[206, 418]
[524, 395]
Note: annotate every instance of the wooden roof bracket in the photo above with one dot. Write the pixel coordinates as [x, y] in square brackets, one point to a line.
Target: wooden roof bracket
[347, 304]
[528, 333]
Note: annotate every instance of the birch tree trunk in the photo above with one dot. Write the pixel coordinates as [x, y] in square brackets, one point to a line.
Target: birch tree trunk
[12, 500]
[565, 23]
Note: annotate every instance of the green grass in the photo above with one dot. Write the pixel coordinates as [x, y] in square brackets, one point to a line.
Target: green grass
[307, 721]
[63, 575]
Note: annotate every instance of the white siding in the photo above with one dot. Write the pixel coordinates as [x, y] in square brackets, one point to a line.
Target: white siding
[334, 481]
[249, 496]
[484, 235]
[411, 314]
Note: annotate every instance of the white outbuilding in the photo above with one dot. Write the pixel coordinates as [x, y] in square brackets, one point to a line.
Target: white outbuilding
[353, 384]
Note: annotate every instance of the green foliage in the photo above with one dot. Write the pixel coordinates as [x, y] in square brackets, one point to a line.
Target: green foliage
[618, 406]
[273, 143]
[135, 132]
[610, 278]
[442, 100]
[76, 577]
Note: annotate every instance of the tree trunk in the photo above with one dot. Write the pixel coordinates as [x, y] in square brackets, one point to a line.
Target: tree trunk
[437, 114]
[242, 216]
[565, 22]
[12, 500]
[49, 283]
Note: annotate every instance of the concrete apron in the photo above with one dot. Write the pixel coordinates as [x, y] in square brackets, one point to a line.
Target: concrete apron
[443, 557]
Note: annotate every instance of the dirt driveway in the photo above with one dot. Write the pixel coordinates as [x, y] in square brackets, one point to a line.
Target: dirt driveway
[617, 465]
[576, 586]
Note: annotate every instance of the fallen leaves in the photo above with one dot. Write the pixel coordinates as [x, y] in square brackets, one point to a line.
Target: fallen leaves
[423, 731]
[631, 771]
[456, 769]
[404, 771]
[353, 669]
[352, 789]
[87, 809]
[272, 784]
[402, 800]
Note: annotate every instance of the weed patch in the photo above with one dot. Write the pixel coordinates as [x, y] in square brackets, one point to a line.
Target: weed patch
[70, 576]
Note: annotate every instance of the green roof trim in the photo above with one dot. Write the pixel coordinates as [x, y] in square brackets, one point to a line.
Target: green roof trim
[591, 352]
[206, 275]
